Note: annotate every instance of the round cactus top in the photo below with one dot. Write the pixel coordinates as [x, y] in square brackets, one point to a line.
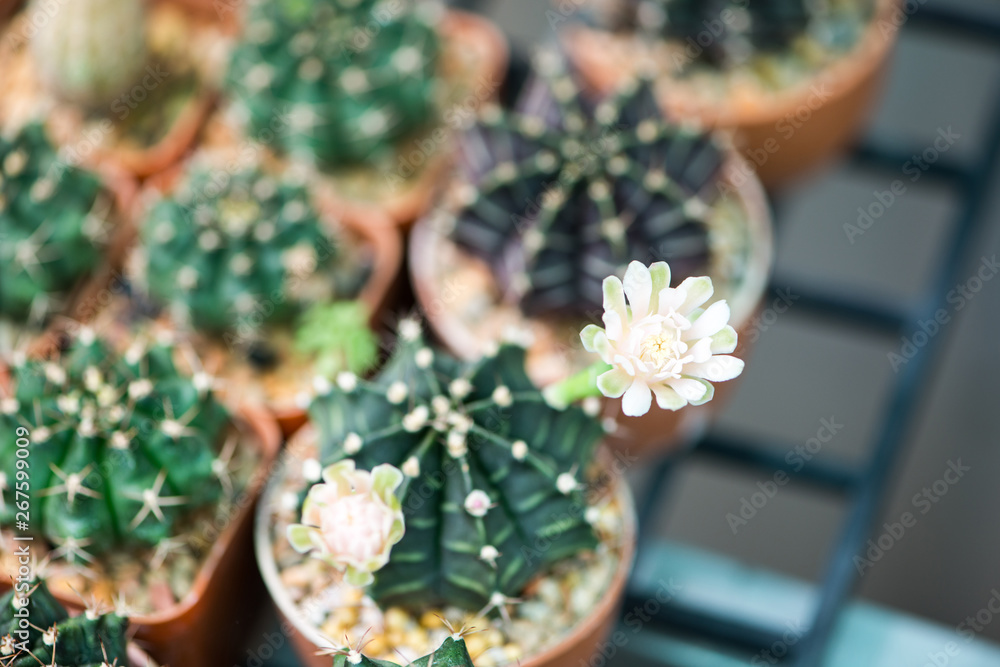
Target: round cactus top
[347, 79]
[120, 446]
[230, 251]
[565, 191]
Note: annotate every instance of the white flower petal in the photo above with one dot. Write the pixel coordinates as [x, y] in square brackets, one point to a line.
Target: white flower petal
[659, 273]
[614, 298]
[717, 369]
[614, 326]
[638, 287]
[700, 351]
[588, 336]
[709, 394]
[637, 399]
[614, 383]
[689, 389]
[724, 341]
[697, 291]
[709, 322]
[667, 398]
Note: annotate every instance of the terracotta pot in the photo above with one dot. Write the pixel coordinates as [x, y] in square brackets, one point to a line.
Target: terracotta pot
[784, 135]
[579, 646]
[554, 352]
[208, 626]
[370, 226]
[475, 58]
[70, 125]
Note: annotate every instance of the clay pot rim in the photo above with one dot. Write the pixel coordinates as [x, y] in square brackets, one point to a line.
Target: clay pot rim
[268, 441]
[419, 195]
[584, 629]
[843, 74]
[743, 302]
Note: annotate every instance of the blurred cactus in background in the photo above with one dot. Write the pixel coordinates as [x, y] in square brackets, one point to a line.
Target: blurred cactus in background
[562, 192]
[351, 76]
[53, 225]
[121, 446]
[253, 248]
[91, 51]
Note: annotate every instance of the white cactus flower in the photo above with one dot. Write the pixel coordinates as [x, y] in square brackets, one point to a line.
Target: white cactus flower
[662, 343]
[352, 520]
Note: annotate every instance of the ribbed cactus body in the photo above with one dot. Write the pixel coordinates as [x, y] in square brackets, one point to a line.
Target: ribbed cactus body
[53, 223]
[88, 640]
[247, 251]
[451, 653]
[91, 51]
[121, 446]
[493, 475]
[345, 78]
[563, 192]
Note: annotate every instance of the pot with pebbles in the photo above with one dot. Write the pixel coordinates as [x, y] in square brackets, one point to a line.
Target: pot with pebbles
[63, 233]
[564, 190]
[124, 82]
[276, 288]
[795, 80]
[369, 92]
[443, 494]
[98, 636]
[140, 485]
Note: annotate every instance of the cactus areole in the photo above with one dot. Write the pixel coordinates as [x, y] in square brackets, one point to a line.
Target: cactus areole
[120, 447]
[492, 488]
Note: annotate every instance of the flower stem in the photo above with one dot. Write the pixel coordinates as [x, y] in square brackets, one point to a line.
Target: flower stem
[576, 387]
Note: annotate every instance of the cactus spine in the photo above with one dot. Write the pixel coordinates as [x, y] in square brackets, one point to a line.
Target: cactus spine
[490, 470]
[451, 653]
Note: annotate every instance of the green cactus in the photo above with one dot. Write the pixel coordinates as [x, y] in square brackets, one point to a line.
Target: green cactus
[350, 77]
[491, 493]
[91, 51]
[89, 640]
[562, 193]
[249, 251]
[451, 653]
[121, 446]
[53, 224]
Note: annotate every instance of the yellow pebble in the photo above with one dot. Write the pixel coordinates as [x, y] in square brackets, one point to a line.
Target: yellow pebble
[513, 652]
[417, 639]
[396, 618]
[493, 637]
[476, 644]
[431, 621]
[476, 623]
[376, 646]
[394, 637]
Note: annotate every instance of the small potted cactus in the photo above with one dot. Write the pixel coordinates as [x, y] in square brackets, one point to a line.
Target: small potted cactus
[126, 82]
[451, 653]
[98, 636]
[276, 288]
[368, 92]
[565, 190]
[441, 494]
[63, 231]
[794, 79]
[134, 482]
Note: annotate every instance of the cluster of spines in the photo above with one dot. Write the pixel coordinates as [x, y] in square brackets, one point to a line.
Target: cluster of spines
[564, 191]
[54, 221]
[493, 476]
[121, 446]
[249, 250]
[350, 78]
